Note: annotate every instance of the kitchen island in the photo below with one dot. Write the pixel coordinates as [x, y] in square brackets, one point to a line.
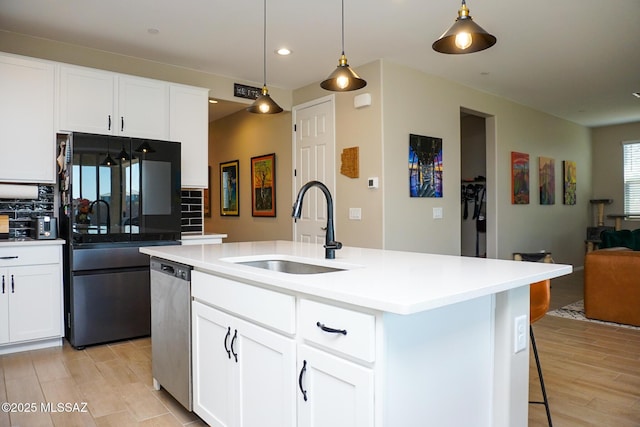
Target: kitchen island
[384, 338]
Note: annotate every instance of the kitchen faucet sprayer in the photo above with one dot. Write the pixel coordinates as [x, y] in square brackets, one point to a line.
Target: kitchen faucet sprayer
[330, 245]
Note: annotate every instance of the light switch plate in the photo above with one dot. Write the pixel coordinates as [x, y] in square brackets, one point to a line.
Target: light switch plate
[437, 213]
[355, 213]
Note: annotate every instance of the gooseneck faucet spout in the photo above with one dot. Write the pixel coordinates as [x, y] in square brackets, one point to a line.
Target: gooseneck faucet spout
[330, 244]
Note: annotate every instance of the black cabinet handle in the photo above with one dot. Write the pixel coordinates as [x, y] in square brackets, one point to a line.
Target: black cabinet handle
[302, 371]
[9, 257]
[233, 340]
[3, 283]
[13, 291]
[226, 338]
[109, 122]
[121, 123]
[331, 330]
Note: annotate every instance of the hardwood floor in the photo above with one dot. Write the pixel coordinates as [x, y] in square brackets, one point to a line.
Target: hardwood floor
[592, 374]
[591, 371]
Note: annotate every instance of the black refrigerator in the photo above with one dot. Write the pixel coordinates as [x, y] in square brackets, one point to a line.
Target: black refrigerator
[116, 195]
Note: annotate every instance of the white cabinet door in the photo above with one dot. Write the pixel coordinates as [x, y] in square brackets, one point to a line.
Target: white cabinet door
[27, 89]
[188, 125]
[333, 391]
[143, 108]
[213, 399]
[87, 100]
[265, 374]
[4, 306]
[244, 375]
[34, 302]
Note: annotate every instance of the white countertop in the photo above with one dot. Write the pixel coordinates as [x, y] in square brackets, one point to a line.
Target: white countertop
[389, 281]
[30, 242]
[196, 236]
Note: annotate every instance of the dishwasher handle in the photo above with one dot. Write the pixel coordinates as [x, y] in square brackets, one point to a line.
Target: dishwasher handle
[179, 271]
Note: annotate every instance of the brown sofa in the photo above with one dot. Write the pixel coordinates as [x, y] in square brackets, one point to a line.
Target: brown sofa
[612, 285]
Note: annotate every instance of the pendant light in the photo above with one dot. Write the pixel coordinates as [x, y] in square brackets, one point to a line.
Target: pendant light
[343, 78]
[263, 103]
[144, 148]
[464, 36]
[123, 155]
[108, 161]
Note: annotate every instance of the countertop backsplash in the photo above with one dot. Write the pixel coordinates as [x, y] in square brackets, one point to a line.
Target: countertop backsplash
[20, 211]
[192, 211]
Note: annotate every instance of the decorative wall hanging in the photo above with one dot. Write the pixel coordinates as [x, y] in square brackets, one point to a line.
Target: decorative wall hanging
[570, 182]
[229, 182]
[350, 165]
[425, 166]
[263, 185]
[547, 180]
[519, 178]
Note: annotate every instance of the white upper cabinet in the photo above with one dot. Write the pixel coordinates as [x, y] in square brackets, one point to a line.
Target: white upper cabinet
[189, 125]
[107, 103]
[27, 90]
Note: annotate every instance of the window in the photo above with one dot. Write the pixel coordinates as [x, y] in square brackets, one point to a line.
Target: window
[631, 156]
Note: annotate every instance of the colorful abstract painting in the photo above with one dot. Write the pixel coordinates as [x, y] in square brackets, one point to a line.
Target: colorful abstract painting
[569, 179]
[547, 180]
[425, 166]
[519, 178]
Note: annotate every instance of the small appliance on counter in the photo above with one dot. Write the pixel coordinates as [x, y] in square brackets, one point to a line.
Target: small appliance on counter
[44, 228]
[4, 226]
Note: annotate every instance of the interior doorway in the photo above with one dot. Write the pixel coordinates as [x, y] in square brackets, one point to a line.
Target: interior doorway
[473, 172]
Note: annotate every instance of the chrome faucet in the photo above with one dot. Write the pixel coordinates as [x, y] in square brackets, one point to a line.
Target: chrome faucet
[330, 244]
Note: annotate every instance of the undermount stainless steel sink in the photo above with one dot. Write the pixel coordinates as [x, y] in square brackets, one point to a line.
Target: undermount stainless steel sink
[291, 267]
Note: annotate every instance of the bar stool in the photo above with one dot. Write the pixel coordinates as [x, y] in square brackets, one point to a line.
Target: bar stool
[539, 298]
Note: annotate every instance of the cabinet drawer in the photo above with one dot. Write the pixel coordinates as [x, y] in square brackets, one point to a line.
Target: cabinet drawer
[354, 331]
[270, 308]
[29, 255]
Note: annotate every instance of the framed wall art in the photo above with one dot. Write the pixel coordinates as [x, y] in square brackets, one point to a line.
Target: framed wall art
[229, 184]
[425, 166]
[547, 180]
[206, 195]
[519, 178]
[263, 185]
[570, 182]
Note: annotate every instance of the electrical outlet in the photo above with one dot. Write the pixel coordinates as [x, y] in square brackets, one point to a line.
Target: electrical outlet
[520, 333]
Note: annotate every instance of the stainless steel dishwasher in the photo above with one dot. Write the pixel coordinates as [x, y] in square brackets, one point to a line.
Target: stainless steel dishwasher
[171, 329]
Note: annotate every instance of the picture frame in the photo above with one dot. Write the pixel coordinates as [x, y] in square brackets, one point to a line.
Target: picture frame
[263, 185]
[206, 196]
[425, 166]
[229, 188]
[519, 178]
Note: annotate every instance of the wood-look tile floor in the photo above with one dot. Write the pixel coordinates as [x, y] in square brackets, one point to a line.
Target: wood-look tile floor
[592, 374]
[111, 385]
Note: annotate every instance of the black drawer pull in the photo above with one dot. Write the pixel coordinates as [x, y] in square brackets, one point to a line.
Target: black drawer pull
[13, 291]
[226, 338]
[9, 257]
[302, 371]
[233, 340]
[331, 330]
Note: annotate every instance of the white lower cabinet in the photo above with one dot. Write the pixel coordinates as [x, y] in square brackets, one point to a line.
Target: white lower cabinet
[30, 298]
[242, 372]
[333, 391]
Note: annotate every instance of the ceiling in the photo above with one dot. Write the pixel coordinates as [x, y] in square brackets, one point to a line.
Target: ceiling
[575, 59]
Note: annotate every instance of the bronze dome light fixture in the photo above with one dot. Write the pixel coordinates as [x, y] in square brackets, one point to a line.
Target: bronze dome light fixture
[343, 78]
[464, 36]
[263, 103]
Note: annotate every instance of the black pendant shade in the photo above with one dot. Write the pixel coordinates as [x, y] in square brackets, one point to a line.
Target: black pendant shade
[123, 155]
[145, 147]
[464, 36]
[108, 161]
[263, 103]
[343, 78]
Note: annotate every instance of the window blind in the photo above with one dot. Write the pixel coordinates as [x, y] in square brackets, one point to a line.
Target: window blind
[631, 154]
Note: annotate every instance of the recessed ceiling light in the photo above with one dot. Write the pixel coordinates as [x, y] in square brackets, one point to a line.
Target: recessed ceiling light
[636, 94]
[283, 51]
[153, 31]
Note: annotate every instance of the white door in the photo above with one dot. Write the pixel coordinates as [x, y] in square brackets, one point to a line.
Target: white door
[4, 306]
[34, 302]
[338, 393]
[266, 376]
[314, 161]
[213, 397]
